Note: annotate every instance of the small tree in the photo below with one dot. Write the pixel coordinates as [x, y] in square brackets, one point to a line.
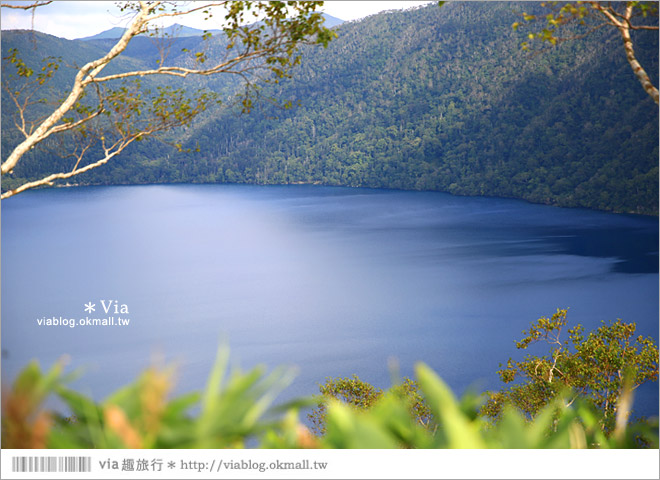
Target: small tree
[596, 367]
[111, 111]
[351, 391]
[362, 396]
[625, 17]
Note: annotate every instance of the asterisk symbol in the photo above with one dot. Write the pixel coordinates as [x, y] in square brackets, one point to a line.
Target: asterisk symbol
[89, 307]
[171, 464]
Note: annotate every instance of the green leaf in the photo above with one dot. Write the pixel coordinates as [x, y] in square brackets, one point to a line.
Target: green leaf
[347, 428]
[458, 430]
[214, 384]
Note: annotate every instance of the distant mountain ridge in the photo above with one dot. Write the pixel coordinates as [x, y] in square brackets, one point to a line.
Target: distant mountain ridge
[175, 31]
[115, 32]
[180, 31]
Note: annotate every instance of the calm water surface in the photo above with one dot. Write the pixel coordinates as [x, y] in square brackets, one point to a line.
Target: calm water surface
[334, 281]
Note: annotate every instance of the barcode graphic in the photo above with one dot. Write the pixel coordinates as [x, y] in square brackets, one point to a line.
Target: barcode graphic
[51, 464]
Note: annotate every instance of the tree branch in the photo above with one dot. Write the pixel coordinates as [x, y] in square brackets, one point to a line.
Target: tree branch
[608, 11]
[182, 71]
[252, 50]
[25, 7]
[624, 30]
[84, 76]
[59, 176]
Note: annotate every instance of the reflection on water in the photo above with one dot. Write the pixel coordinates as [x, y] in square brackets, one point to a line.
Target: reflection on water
[332, 280]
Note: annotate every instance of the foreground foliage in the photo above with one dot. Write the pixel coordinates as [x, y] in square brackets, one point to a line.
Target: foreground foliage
[237, 410]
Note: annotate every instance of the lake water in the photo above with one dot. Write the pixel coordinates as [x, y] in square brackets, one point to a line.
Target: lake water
[334, 281]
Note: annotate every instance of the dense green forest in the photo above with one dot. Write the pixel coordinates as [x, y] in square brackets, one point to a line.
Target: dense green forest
[433, 98]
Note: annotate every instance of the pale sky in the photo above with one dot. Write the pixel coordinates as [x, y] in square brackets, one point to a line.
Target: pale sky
[85, 18]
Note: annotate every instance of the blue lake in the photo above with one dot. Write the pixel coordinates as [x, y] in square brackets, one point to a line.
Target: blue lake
[334, 281]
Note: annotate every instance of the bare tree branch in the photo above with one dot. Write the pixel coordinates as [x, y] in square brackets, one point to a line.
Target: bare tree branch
[60, 176]
[624, 29]
[26, 7]
[577, 12]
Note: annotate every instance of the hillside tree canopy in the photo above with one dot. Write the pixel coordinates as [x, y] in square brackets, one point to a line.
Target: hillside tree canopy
[422, 99]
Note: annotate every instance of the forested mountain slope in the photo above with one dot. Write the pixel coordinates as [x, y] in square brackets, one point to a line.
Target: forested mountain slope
[439, 99]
